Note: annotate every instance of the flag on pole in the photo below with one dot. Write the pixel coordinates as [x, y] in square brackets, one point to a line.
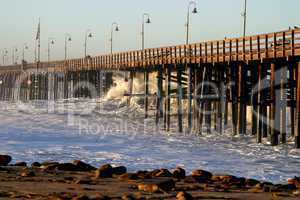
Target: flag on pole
[38, 31]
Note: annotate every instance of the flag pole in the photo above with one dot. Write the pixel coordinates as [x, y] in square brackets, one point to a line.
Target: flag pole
[39, 41]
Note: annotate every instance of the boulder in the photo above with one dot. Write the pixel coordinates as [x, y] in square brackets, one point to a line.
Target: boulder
[83, 166]
[251, 182]
[295, 181]
[179, 173]
[154, 186]
[184, 196]
[66, 167]
[162, 173]
[36, 164]
[202, 176]
[105, 171]
[27, 173]
[119, 170]
[5, 160]
[129, 176]
[144, 175]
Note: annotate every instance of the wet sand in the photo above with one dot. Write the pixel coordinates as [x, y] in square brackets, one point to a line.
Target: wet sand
[79, 180]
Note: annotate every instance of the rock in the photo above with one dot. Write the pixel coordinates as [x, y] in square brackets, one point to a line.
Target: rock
[5, 160]
[232, 180]
[202, 176]
[162, 173]
[296, 193]
[191, 179]
[27, 173]
[105, 171]
[83, 166]
[155, 186]
[20, 164]
[184, 196]
[179, 173]
[128, 197]
[129, 176]
[48, 163]
[144, 175]
[119, 170]
[151, 188]
[66, 167]
[284, 188]
[36, 164]
[251, 182]
[295, 181]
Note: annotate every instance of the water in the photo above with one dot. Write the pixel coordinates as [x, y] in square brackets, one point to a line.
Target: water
[43, 131]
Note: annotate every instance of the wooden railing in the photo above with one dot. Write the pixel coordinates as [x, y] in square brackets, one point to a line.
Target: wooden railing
[284, 44]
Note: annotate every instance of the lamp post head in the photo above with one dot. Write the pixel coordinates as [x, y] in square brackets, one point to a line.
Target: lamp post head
[117, 29]
[52, 42]
[148, 21]
[70, 39]
[195, 11]
[90, 35]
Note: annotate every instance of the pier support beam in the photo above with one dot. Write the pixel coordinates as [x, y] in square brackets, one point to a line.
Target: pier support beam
[159, 95]
[179, 98]
[297, 133]
[274, 108]
[146, 85]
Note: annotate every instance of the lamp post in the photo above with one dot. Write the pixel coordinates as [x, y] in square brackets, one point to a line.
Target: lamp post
[67, 39]
[50, 42]
[114, 27]
[25, 47]
[244, 15]
[88, 34]
[194, 4]
[14, 50]
[147, 21]
[4, 54]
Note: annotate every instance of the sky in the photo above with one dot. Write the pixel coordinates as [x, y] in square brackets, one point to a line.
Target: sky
[215, 20]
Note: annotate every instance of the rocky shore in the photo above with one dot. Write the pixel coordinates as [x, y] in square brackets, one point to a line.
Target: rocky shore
[79, 180]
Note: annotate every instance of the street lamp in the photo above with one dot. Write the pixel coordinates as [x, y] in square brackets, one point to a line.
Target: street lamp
[67, 39]
[194, 11]
[88, 34]
[4, 54]
[114, 27]
[25, 47]
[147, 21]
[14, 50]
[50, 42]
[244, 15]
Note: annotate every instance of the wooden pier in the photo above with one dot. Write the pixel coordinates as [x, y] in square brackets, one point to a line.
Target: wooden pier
[215, 79]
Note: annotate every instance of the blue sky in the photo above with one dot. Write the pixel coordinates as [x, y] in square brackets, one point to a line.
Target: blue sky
[216, 19]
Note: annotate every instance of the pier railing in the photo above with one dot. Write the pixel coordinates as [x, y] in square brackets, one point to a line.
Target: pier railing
[284, 44]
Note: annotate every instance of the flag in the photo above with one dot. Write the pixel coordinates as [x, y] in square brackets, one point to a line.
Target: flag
[38, 31]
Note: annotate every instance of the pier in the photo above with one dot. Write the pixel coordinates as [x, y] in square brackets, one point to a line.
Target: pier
[217, 80]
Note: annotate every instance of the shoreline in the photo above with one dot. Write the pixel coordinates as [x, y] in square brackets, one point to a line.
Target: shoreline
[79, 180]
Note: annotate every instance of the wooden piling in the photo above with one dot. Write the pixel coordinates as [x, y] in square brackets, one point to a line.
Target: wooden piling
[146, 86]
[274, 127]
[190, 69]
[159, 94]
[297, 133]
[179, 98]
